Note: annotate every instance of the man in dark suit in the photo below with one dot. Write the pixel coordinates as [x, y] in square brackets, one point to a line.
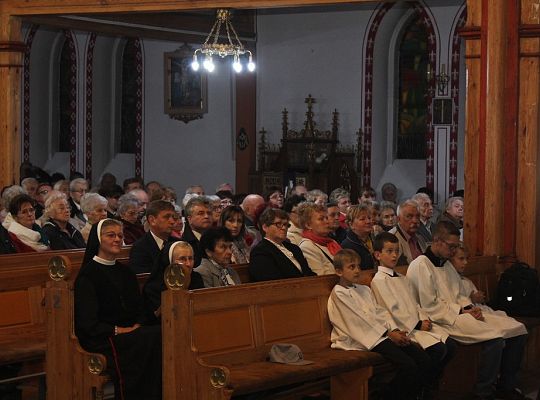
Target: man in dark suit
[161, 218]
[198, 219]
[274, 257]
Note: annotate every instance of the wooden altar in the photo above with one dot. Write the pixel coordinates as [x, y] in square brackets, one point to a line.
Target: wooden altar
[309, 157]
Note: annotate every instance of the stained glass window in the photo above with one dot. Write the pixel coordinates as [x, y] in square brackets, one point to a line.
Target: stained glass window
[413, 91]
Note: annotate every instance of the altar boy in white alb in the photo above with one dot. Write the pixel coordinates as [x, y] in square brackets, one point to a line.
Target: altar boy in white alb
[359, 323]
[437, 284]
[394, 292]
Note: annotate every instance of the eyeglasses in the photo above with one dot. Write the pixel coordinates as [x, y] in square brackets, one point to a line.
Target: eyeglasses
[43, 192]
[80, 191]
[112, 235]
[281, 225]
[451, 246]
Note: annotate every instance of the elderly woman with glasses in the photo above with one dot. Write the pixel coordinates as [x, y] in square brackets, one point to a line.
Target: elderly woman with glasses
[274, 257]
[24, 228]
[128, 213]
[61, 233]
[317, 245]
[94, 208]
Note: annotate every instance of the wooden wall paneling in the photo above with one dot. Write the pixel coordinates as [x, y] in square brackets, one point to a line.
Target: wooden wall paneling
[11, 53]
[493, 97]
[527, 175]
[472, 143]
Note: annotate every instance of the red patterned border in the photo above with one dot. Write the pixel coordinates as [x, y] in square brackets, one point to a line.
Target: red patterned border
[26, 92]
[454, 90]
[73, 101]
[368, 93]
[139, 105]
[89, 94]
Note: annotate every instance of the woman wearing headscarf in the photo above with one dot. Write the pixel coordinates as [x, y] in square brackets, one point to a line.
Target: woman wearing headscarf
[172, 253]
[110, 317]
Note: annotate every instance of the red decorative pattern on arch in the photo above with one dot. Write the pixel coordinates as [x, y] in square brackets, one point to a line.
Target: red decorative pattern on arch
[139, 109]
[72, 101]
[368, 92]
[26, 92]
[88, 114]
[455, 67]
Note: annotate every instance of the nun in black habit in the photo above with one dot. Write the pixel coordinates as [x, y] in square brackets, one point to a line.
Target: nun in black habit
[176, 252]
[110, 317]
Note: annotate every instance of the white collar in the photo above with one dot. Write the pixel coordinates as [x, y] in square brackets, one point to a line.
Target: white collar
[158, 240]
[386, 270]
[103, 261]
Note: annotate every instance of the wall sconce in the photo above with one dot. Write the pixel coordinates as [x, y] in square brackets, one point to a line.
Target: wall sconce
[441, 79]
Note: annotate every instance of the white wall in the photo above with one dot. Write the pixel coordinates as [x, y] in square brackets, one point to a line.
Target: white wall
[320, 51]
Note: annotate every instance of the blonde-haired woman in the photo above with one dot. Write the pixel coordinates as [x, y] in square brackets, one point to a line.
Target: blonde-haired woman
[318, 248]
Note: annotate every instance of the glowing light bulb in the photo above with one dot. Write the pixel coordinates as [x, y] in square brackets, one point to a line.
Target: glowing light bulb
[208, 64]
[251, 64]
[236, 64]
[195, 63]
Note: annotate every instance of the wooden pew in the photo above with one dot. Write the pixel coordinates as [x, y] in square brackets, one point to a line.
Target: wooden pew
[23, 319]
[215, 341]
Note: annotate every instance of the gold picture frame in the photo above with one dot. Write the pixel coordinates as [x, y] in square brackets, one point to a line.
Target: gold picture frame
[186, 91]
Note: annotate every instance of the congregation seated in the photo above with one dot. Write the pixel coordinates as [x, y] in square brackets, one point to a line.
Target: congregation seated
[274, 257]
[172, 253]
[232, 218]
[110, 317]
[250, 204]
[388, 215]
[128, 214]
[317, 196]
[7, 195]
[294, 233]
[336, 231]
[112, 194]
[274, 197]
[94, 208]
[215, 267]
[161, 217]
[411, 245]
[359, 234]
[198, 219]
[23, 225]
[61, 233]
[453, 212]
[318, 247]
[77, 189]
[425, 207]
[343, 200]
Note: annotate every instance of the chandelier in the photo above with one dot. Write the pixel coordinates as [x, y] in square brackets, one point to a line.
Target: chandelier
[213, 47]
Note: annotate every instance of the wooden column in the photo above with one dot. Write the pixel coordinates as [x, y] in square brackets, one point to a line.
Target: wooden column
[528, 185]
[11, 52]
[502, 147]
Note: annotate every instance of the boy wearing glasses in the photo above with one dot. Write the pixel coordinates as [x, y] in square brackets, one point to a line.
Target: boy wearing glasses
[433, 280]
[359, 323]
[394, 292]
[275, 257]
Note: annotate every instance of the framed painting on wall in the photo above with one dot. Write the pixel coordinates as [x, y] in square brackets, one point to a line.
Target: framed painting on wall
[185, 89]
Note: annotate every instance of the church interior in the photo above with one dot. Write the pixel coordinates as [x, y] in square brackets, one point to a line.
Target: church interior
[440, 94]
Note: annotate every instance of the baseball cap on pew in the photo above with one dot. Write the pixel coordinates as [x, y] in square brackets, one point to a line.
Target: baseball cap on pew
[286, 353]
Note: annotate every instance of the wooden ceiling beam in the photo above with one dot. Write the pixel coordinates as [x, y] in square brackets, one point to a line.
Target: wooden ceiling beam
[48, 7]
